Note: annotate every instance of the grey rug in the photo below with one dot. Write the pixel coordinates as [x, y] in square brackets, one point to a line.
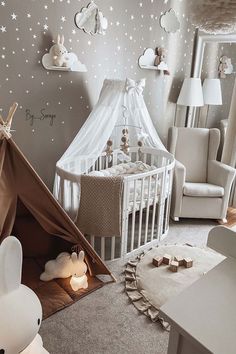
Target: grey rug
[104, 322]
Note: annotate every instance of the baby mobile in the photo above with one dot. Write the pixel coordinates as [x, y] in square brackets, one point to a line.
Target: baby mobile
[125, 144]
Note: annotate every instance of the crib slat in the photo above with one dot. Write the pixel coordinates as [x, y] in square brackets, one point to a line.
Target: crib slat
[113, 247]
[62, 192]
[125, 219]
[147, 209]
[133, 215]
[106, 162]
[154, 206]
[152, 159]
[167, 214]
[86, 166]
[100, 164]
[161, 207]
[145, 158]
[141, 213]
[93, 165]
[103, 248]
[72, 195]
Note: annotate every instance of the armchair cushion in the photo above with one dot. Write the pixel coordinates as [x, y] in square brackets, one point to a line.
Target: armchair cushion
[203, 190]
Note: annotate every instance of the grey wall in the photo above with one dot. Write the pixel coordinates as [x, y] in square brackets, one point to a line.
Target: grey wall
[133, 26]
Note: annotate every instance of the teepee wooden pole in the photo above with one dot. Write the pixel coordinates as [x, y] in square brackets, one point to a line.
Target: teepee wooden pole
[1, 120]
[11, 113]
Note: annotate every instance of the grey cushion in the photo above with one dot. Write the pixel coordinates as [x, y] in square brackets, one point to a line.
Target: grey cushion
[203, 190]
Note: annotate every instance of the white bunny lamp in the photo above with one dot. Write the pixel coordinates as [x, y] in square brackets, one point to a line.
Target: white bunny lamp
[66, 265]
[20, 308]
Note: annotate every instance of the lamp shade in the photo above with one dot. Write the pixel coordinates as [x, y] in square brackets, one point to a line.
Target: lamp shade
[191, 93]
[212, 92]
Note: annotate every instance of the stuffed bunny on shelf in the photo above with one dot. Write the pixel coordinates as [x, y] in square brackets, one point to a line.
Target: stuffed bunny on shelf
[20, 308]
[66, 265]
[59, 53]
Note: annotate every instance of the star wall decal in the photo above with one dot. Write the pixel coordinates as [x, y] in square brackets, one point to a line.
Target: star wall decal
[13, 16]
[3, 29]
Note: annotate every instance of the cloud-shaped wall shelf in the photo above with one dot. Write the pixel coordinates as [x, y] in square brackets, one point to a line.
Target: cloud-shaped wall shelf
[74, 63]
[147, 60]
[169, 21]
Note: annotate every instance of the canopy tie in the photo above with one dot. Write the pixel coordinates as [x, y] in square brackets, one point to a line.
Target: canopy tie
[132, 86]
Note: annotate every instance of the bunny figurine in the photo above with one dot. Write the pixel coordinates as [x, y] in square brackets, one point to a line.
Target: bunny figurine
[20, 308]
[66, 265]
[59, 53]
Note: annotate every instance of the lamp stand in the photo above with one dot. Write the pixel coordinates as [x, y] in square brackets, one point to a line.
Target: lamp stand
[208, 106]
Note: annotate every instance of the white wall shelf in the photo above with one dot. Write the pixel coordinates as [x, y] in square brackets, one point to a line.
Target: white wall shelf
[74, 63]
[147, 59]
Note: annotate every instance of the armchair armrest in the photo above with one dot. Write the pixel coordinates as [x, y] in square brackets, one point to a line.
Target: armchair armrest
[220, 174]
[177, 191]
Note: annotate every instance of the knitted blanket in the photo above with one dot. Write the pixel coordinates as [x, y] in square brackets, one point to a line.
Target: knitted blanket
[100, 206]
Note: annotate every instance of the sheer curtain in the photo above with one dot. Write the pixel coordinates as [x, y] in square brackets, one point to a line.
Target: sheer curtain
[107, 113]
[120, 103]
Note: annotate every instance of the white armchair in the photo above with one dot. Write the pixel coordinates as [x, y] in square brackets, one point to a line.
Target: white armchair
[201, 187]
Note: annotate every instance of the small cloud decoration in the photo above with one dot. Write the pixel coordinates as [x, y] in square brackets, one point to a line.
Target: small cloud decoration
[147, 59]
[169, 21]
[91, 20]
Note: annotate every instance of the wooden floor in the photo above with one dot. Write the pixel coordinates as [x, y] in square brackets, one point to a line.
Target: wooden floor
[231, 218]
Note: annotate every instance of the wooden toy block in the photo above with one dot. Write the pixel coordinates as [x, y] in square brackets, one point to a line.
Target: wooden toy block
[188, 262]
[167, 259]
[157, 261]
[180, 260]
[174, 266]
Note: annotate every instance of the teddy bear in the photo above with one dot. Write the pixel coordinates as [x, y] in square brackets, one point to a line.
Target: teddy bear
[223, 66]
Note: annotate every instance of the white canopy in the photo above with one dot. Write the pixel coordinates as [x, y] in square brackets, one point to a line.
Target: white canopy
[120, 104]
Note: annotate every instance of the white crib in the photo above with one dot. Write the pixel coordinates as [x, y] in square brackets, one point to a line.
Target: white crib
[146, 201]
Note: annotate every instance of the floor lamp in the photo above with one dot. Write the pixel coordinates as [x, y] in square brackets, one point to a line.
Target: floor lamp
[212, 94]
[191, 96]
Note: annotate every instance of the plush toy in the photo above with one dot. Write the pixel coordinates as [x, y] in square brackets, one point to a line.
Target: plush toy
[66, 265]
[59, 53]
[160, 60]
[223, 66]
[160, 56]
[20, 308]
